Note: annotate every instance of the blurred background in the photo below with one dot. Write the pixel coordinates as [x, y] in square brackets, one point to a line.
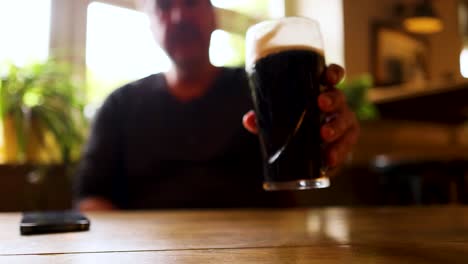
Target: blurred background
[407, 79]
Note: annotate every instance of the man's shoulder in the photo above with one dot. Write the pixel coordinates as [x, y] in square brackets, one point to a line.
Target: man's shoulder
[236, 73]
[151, 83]
[234, 83]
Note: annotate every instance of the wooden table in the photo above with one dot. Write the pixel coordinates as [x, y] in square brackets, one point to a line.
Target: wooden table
[329, 235]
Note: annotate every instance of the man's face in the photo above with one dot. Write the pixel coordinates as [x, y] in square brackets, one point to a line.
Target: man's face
[183, 28]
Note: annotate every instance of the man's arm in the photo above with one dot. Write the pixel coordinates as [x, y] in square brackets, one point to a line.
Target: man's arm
[98, 177]
[95, 204]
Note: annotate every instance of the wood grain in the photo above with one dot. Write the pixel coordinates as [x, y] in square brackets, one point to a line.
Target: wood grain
[365, 234]
[299, 255]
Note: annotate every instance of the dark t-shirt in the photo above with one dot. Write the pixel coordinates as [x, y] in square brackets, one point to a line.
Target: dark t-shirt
[149, 150]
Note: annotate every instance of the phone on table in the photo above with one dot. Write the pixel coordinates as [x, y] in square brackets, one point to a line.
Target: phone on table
[53, 222]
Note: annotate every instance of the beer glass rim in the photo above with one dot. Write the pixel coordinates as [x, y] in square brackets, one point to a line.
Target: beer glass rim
[292, 19]
[289, 32]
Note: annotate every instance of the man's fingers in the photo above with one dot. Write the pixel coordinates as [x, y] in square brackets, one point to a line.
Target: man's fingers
[250, 123]
[331, 101]
[338, 151]
[336, 128]
[334, 74]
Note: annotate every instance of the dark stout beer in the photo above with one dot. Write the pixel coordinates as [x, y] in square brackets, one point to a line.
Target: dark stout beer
[285, 85]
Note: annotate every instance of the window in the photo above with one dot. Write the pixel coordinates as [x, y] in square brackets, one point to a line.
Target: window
[23, 22]
[329, 14]
[464, 62]
[258, 8]
[119, 49]
[227, 48]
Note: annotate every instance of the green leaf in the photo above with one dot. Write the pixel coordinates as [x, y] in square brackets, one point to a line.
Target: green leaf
[356, 91]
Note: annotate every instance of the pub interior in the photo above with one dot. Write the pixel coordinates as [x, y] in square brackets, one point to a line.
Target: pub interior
[406, 65]
[408, 89]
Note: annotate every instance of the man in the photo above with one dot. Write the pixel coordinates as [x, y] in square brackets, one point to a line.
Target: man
[176, 140]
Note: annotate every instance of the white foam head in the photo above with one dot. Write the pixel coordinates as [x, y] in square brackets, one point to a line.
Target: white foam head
[281, 34]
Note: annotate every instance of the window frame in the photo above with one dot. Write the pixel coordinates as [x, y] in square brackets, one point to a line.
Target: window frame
[68, 31]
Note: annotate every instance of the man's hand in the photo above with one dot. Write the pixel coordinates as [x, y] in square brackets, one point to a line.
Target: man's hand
[341, 130]
[95, 204]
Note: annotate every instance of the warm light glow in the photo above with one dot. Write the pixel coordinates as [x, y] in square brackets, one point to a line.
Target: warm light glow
[423, 25]
[464, 62]
[329, 223]
[25, 27]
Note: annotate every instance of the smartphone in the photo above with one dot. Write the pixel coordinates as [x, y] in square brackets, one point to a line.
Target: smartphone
[53, 222]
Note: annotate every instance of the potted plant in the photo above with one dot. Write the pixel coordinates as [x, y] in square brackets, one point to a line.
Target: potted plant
[356, 91]
[42, 112]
